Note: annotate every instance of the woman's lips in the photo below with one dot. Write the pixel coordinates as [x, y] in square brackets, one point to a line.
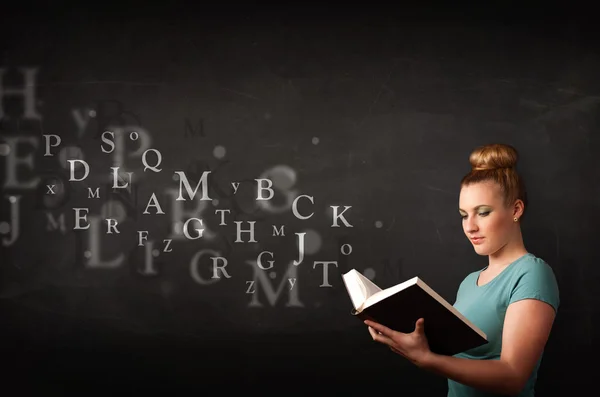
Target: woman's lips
[477, 240]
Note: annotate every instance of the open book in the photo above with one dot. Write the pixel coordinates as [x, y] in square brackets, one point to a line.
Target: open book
[400, 306]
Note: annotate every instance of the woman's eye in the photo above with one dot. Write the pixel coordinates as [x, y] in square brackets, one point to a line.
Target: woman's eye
[486, 213]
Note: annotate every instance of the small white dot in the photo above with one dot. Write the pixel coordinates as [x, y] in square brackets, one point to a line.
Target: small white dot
[175, 177]
[315, 141]
[4, 149]
[12, 199]
[92, 113]
[4, 228]
[215, 202]
[273, 275]
[369, 273]
[219, 152]
[378, 224]
[155, 253]
[88, 254]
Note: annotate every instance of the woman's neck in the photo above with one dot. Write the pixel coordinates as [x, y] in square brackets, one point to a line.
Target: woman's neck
[506, 255]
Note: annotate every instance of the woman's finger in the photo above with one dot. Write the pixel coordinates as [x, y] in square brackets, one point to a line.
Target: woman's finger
[379, 337]
[380, 328]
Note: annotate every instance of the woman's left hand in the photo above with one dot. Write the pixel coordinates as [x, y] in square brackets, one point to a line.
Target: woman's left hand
[412, 346]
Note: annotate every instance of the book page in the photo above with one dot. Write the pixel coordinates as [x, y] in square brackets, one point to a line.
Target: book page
[370, 288]
[381, 295]
[355, 288]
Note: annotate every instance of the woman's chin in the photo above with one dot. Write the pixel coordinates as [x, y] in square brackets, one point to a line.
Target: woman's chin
[481, 251]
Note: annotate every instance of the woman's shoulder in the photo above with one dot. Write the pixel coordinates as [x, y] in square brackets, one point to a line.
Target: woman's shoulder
[532, 263]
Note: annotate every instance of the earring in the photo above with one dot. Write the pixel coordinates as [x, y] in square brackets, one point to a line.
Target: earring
[516, 219]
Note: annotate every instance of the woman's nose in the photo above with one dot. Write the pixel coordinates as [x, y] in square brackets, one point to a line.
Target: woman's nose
[470, 225]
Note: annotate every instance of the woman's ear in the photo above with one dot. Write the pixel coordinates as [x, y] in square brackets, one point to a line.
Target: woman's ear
[518, 208]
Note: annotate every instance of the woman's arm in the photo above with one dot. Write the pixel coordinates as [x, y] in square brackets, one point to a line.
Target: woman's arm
[494, 376]
[527, 327]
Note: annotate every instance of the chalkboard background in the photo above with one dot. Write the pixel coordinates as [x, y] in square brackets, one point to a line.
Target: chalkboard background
[376, 109]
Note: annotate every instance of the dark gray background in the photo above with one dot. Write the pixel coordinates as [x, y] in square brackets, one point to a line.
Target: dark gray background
[397, 97]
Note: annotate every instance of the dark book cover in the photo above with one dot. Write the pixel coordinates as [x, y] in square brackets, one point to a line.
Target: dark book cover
[446, 333]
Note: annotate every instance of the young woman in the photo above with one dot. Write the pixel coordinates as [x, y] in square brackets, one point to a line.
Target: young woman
[514, 299]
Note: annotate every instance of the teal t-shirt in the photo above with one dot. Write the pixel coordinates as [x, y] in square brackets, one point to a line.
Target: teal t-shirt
[485, 306]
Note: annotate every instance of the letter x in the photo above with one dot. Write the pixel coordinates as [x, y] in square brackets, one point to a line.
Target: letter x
[50, 189]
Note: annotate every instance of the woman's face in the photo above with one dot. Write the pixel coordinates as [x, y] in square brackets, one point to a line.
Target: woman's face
[485, 217]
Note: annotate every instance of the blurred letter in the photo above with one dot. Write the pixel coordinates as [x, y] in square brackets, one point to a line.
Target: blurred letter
[95, 248]
[28, 92]
[14, 221]
[54, 224]
[260, 278]
[13, 161]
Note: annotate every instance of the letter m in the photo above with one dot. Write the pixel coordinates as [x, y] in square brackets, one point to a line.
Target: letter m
[184, 183]
[191, 131]
[56, 224]
[262, 282]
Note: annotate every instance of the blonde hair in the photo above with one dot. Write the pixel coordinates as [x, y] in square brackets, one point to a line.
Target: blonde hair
[496, 162]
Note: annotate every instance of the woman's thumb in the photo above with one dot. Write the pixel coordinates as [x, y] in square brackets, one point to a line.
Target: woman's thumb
[420, 325]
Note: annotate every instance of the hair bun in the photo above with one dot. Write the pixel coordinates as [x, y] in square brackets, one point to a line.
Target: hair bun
[493, 156]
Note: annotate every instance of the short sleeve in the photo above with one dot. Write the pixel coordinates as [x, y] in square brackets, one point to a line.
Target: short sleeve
[536, 281]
